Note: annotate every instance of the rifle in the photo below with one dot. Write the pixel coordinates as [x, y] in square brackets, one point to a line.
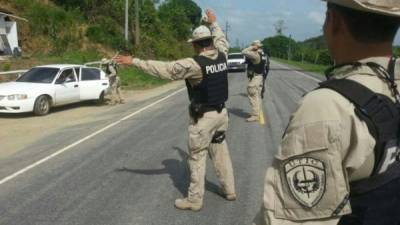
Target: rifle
[265, 74]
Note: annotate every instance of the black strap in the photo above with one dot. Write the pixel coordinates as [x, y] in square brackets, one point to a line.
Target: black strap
[362, 97]
[391, 68]
[379, 112]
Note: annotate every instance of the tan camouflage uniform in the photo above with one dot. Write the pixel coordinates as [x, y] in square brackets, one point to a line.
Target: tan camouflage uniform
[326, 128]
[255, 85]
[115, 85]
[201, 133]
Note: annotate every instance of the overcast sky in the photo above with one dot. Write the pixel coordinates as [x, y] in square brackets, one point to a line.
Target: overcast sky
[255, 19]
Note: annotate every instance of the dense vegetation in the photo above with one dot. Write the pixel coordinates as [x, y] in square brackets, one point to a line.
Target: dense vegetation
[313, 50]
[58, 26]
[78, 31]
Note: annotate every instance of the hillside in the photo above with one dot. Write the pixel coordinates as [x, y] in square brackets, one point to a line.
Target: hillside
[78, 31]
[51, 30]
[57, 27]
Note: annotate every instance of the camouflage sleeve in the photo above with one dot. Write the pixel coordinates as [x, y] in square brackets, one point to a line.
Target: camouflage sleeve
[308, 182]
[220, 41]
[112, 70]
[252, 55]
[175, 70]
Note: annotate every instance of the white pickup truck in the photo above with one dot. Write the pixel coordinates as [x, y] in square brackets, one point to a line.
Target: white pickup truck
[237, 61]
[44, 87]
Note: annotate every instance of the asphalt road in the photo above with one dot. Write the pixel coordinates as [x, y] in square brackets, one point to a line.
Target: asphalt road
[132, 172]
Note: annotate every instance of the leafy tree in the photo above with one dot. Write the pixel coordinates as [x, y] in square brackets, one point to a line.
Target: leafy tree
[279, 46]
[396, 50]
[181, 16]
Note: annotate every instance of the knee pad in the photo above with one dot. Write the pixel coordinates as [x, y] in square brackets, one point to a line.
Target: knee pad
[219, 137]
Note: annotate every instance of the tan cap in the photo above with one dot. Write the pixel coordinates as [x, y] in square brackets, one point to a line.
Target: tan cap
[257, 43]
[383, 7]
[201, 33]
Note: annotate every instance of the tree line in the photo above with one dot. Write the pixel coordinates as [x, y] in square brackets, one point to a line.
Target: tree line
[65, 25]
[313, 50]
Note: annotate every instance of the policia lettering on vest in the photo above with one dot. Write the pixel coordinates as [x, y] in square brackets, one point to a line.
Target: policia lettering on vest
[212, 93]
[206, 78]
[338, 162]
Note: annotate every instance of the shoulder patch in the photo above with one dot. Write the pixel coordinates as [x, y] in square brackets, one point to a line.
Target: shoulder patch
[306, 178]
[178, 68]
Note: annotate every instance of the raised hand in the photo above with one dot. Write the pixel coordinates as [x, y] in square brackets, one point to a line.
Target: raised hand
[212, 18]
[123, 59]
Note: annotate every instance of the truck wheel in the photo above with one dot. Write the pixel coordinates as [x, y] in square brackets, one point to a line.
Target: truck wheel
[42, 106]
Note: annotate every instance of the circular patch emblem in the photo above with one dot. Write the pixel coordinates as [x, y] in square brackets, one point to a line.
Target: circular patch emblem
[306, 178]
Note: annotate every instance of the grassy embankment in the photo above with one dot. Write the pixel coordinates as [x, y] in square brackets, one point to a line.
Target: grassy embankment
[309, 67]
[132, 79]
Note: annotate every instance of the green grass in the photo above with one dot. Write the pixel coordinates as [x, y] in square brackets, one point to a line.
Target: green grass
[319, 69]
[133, 78]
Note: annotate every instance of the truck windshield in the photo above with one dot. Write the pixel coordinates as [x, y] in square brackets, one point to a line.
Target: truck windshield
[39, 75]
[235, 56]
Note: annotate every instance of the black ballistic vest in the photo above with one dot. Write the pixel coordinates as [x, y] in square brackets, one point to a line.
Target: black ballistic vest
[375, 200]
[257, 68]
[213, 89]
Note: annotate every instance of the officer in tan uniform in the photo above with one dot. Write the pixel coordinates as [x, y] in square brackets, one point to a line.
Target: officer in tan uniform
[338, 162]
[255, 72]
[115, 81]
[207, 83]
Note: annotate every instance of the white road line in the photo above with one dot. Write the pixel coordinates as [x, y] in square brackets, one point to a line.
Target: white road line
[16, 174]
[300, 73]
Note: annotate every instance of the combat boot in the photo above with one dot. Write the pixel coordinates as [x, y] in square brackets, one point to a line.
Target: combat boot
[186, 204]
[252, 119]
[229, 197]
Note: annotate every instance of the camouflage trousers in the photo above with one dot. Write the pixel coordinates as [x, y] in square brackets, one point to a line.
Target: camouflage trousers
[200, 138]
[254, 89]
[115, 90]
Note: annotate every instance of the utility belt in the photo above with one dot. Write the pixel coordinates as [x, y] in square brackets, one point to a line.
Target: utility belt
[197, 110]
[252, 75]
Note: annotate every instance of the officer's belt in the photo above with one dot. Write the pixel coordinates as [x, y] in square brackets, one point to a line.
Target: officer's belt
[210, 108]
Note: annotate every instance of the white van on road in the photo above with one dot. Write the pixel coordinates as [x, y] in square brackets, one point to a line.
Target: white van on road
[44, 87]
[237, 62]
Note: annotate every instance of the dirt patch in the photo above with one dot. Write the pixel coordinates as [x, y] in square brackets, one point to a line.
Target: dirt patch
[18, 131]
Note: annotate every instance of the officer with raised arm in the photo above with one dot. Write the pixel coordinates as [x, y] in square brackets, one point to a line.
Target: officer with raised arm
[255, 72]
[115, 81]
[338, 162]
[207, 85]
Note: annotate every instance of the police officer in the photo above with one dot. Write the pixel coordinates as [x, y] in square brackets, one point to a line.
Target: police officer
[207, 84]
[338, 160]
[115, 81]
[255, 73]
